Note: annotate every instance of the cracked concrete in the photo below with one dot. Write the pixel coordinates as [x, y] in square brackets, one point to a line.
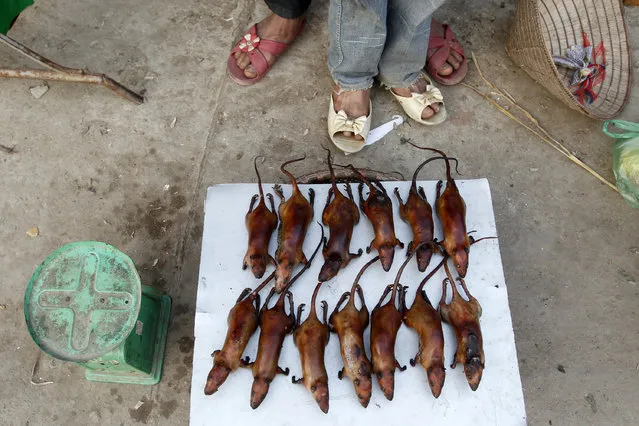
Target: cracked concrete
[89, 166]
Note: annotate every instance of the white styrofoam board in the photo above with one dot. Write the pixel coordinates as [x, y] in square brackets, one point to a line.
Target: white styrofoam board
[499, 399]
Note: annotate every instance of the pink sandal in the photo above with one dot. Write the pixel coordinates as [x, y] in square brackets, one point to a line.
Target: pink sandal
[253, 45]
[442, 41]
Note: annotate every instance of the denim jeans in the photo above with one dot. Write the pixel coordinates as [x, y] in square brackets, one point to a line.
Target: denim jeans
[289, 9]
[387, 39]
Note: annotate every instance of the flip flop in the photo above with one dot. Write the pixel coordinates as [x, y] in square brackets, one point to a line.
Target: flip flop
[441, 42]
[253, 45]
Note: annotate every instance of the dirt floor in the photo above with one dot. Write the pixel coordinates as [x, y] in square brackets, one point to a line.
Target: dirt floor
[89, 166]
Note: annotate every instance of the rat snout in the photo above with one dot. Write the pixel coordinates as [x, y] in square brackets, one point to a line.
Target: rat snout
[460, 258]
[282, 276]
[436, 376]
[259, 391]
[320, 394]
[258, 266]
[363, 389]
[423, 256]
[217, 376]
[386, 380]
[386, 255]
[330, 268]
[473, 369]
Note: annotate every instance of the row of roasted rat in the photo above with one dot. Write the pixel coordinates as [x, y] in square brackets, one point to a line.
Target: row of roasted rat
[341, 214]
[311, 337]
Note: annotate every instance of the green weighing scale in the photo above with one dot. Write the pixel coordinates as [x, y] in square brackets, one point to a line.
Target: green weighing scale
[85, 304]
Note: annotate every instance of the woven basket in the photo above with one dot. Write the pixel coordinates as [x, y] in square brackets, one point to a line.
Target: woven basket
[543, 28]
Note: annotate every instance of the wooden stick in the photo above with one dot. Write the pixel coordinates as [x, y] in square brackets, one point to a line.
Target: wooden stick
[538, 131]
[57, 72]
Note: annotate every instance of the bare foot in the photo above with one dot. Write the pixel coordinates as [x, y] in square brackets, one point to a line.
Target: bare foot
[274, 28]
[452, 63]
[418, 87]
[355, 103]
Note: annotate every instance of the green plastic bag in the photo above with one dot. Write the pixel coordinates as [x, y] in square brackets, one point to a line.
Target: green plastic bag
[9, 10]
[625, 158]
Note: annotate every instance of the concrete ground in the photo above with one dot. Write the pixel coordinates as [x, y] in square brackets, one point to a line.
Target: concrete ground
[89, 166]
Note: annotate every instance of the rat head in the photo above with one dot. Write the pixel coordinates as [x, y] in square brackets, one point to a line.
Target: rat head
[258, 264]
[363, 388]
[330, 268]
[473, 368]
[460, 259]
[436, 376]
[423, 255]
[259, 391]
[320, 394]
[386, 254]
[217, 376]
[386, 380]
[282, 274]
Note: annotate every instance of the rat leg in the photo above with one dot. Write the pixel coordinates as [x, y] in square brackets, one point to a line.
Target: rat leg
[246, 362]
[297, 381]
[253, 200]
[349, 191]
[300, 308]
[270, 198]
[328, 199]
[291, 314]
[421, 192]
[311, 196]
[401, 368]
[399, 198]
[282, 371]
[278, 191]
[243, 294]
[386, 291]
[268, 299]
[360, 190]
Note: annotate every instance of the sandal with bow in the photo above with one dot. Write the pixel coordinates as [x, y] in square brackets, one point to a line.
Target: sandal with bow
[339, 122]
[415, 105]
[253, 45]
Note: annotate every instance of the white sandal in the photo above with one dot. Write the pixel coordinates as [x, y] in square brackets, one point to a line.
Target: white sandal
[339, 122]
[414, 106]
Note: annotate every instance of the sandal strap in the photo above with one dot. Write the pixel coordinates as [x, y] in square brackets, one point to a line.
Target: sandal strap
[439, 48]
[254, 46]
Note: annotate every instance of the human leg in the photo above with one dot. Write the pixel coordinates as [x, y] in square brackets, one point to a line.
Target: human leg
[401, 64]
[357, 33]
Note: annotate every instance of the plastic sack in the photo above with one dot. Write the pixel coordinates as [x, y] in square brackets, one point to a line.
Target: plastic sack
[625, 158]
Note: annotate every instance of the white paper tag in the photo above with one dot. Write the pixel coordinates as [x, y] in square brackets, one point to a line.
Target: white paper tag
[382, 130]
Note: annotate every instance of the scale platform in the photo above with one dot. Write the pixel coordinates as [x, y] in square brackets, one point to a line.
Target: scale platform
[499, 398]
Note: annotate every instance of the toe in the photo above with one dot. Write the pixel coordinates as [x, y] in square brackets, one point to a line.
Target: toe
[250, 72]
[453, 62]
[242, 60]
[427, 113]
[457, 56]
[445, 70]
[430, 111]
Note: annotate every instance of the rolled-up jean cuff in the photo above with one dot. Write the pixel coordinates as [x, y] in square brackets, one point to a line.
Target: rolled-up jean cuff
[288, 9]
[405, 83]
[365, 85]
